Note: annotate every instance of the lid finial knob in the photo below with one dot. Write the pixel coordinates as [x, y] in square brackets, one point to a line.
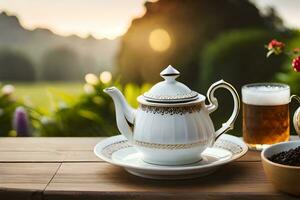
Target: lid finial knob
[170, 73]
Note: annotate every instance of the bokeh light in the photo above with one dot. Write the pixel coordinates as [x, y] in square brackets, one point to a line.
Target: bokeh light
[88, 89]
[159, 40]
[105, 77]
[91, 79]
[8, 89]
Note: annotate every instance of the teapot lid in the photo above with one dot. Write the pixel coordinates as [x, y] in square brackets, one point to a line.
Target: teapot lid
[170, 90]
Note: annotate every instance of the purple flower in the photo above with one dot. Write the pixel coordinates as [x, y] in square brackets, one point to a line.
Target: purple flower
[21, 122]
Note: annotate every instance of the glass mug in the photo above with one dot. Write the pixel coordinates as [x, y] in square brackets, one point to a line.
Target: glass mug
[266, 117]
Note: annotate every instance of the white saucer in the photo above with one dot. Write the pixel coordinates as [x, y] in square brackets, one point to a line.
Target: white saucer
[117, 151]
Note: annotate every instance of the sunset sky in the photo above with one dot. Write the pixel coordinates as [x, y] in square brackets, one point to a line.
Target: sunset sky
[106, 18]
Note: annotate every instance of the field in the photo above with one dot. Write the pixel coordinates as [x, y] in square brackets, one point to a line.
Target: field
[43, 94]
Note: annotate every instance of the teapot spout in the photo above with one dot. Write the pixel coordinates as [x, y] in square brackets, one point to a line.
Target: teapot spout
[125, 114]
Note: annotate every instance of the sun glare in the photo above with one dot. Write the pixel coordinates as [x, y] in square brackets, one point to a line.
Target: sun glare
[159, 40]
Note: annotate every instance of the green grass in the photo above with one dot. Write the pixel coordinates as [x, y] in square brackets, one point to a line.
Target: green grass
[44, 94]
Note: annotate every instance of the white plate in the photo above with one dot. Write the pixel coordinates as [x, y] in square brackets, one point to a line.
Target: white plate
[117, 151]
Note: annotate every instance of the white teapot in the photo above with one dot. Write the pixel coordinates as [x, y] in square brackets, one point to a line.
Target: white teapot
[172, 125]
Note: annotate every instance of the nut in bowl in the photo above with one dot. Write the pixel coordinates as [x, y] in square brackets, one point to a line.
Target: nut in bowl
[285, 176]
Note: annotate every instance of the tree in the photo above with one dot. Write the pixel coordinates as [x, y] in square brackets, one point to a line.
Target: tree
[61, 64]
[239, 57]
[15, 66]
[190, 25]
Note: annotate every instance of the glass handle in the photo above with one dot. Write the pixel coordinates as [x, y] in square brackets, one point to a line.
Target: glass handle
[213, 105]
[296, 118]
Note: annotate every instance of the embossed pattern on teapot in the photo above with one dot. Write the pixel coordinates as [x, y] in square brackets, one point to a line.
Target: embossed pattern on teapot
[172, 125]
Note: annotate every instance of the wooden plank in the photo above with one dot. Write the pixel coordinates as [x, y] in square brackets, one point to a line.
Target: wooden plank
[40, 144]
[48, 149]
[63, 150]
[75, 156]
[20, 194]
[101, 180]
[25, 180]
[34, 176]
[48, 156]
[163, 196]
[31, 156]
[60, 150]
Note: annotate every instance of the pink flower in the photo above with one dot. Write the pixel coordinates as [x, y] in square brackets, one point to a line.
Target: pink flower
[274, 44]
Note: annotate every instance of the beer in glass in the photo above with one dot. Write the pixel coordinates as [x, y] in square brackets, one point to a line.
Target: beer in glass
[265, 114]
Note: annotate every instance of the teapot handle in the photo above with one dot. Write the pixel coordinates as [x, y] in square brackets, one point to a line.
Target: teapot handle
[296, 118]
[213, 105]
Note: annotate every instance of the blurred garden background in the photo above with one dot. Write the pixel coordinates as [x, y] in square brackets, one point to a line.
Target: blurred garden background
[56, 56]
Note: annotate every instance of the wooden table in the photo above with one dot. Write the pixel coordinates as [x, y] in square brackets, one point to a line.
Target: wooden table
[66, 168]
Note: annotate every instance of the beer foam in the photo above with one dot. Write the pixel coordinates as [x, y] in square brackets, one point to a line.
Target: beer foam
[266, 94]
